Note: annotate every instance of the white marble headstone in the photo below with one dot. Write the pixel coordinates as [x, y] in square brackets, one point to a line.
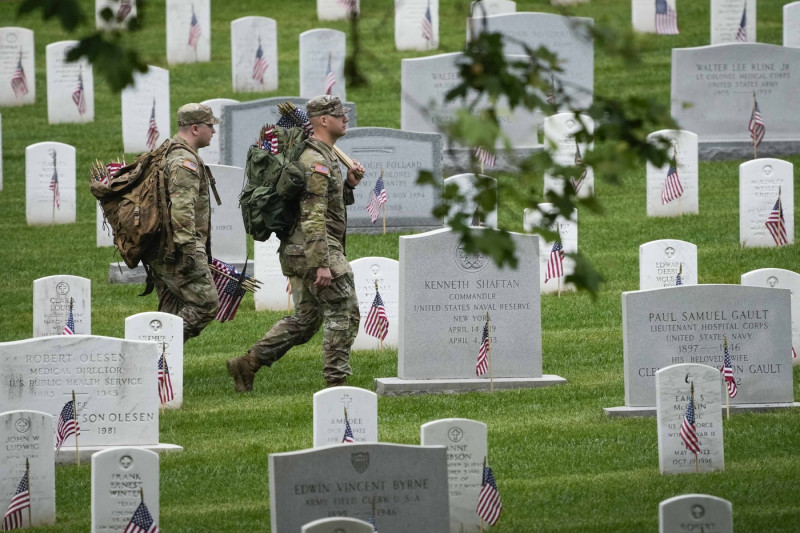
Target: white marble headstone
[673, 202]
[167, 331]
[211, 153]
[146, 100]
[467, 187]
[726, 17]
[467, 448]
[416, 24]
[273, 294]
[335, 9]
[118, 476]
[227, 227]
[51, 299]
[791, 24]
[17, 72]
[28, 435]
[49, 184]
[568, 229]
[559, 131]
[695, 513]
[329, 420]
[780, 278]
[760, 183]
[322, 55]
[188, 31]
[661, 261]
[337, 524]
[673, 393]
[366, 271]
[70, 86]
[121, 12]
[254, 54]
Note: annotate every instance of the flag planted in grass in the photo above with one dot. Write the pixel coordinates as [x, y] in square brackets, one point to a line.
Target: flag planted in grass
[377, 323]
[666, 19]
[376, 200]
[67, 424]
[489, 504]
[482, 366]
[165, 390]
[776, 224]
[688, 429]
[142, 521]
[19, 502]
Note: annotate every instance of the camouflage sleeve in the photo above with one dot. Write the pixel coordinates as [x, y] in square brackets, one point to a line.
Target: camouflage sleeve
[184, 190]
[347, 194]
[313, 207]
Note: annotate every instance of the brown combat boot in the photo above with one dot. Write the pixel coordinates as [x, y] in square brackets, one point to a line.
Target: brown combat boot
[243, 371]
[337, 383]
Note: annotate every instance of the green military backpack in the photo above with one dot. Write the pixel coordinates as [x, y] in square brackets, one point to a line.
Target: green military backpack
[275, 179]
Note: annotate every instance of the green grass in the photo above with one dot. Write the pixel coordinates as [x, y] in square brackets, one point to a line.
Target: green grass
[561, 464]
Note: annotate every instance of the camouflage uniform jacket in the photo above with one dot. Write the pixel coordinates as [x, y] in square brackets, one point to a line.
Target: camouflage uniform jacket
[323, 215]
[190, 205]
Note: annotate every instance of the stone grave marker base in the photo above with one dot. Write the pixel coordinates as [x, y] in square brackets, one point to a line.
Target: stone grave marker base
[67, 454]
[720, 150]
[650, 411]
[398, 387]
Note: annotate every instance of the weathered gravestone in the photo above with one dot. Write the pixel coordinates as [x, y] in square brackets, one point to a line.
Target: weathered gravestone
[467, 187]
[416, 24]
[676, 386]
[330, 406]
[369, 271]
[733, 21]
[322, 55]
[336, 9]
[568, 37]
[712, 96]
[672, 189]
[779, 278]
[17, 72]
[274, 294]
[766, 195]
[114, 14]
[70, 86]
[51, 302]
[467, 449]
[188, 31]
[559, 135]
[243, 123]
[28, 436]
[211, 154]
[402, 155]
[254, 54]
[567, 228]
[167, 331]
[338, 525]
[49, 184]
[114, 382]
[122, 478]
[661, 261]
[445, 295]
[791, 24]
[227, 227]
[650, 16]
[689, 324]
[146, 117]
[405, 486]
[695, 513]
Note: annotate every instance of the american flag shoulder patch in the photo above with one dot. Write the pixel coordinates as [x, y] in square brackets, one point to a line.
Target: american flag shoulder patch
[322, 169]
[191, 165]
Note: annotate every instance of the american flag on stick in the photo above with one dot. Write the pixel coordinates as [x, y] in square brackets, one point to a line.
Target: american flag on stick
[377, 323]
[124, 9]
[195, 31]
[260, 64]
[142, 521]
[485, 157]
[69, 327]
[349, 5]
[489, 504]
[79, 95]
[54, 184]
[688, 429]
[152, 129]
[67, 424]
[427, 24]
[348, 431]
[727, 372]
[482, 365]
[19, 82]
[756, 126]
[678, 278]
[741, 32]
[330, 78]
[776, 224]
[19, 502]
[165, 390]
[555, 263]
[666, 19]
[376, 200]
[673, 188]
[576, 184]
[229, 284]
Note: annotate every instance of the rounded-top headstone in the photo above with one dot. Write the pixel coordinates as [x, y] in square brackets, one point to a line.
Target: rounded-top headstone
[330, 405]
[51, 301]
[694, 513]
[49, 184]
[779, 278]
[17, 72]
[385, 272]
[337, 525]
[118, 476]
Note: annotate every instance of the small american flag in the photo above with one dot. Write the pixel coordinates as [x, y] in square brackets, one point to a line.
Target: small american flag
[111, 169]
[377, 323]
[376, 200]
[551, 91]
[269, 141]
[67, 424]
[54, 185]
[688, 429]
[741, 33]
[756, 126]
[678, 280]
[673, 189]
[165, 391]
[124, 9]
[486, 158]
[18, 81]
[372, 523]
[229, 296]
[141, 521]
[297, 117]
[259, 65]
[195, 31]
[152, 129]
[79, 96]
[794, 353]
[427, 24]
[576, 184]
[349, 5]
[288, 285]
[348, 432]
[69, 327]
[476, 218]
[727, 373]
[482, 366]
[776, 224]
[20, 501]
[555, 263]
[666, 19]
[330, 78]
[489, 504]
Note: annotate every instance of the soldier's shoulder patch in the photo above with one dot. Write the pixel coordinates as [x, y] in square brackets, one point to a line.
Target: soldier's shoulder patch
[322, 169]
[191, 165]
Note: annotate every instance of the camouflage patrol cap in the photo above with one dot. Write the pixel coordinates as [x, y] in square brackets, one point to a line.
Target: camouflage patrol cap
[326, 105]
[189, 114]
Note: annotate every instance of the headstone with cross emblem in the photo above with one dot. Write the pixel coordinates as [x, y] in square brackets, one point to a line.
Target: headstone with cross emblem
[381, 274]
[672, 188]
[28, 436]
[167, 331]
[52, 298]
[122, 478]
[695, 512]
[661, 262]
[766, 194]
[338, 525]
[50, 184]
[779, 278]
[330, 406]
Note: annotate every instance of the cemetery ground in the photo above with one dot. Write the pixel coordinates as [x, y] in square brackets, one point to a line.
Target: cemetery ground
[560, 463]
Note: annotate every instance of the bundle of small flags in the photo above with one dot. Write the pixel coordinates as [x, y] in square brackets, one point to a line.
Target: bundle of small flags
[231, 286]
[103, 172]
[268, 139]
[292, 116]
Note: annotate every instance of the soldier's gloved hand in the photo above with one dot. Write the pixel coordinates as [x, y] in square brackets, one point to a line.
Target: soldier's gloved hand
[187, 258]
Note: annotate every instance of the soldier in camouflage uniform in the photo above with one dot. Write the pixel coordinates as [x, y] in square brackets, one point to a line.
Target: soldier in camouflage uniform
[183, 281]
[313, 257]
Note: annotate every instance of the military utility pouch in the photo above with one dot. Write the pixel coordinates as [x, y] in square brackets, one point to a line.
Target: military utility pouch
[292, 181]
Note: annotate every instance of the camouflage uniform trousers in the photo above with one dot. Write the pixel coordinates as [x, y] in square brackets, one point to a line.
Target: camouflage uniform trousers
[335, 305]
[191, 296]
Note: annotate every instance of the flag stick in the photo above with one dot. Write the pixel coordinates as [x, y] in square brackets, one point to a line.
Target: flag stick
[559, 286]
[380, 331]
[727, 394]
[383, 211]
[162, 384]
[30, 503]
[75, 409]
[489, 352]
[691, 399]
[482, 471]
[753, 137]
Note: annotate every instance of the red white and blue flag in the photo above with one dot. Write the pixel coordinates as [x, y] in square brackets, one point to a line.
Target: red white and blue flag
[330, 78]
[165, 390]
[195, 31]
[688, 429]
[486, 158]
[666, 19]
[69, 327]
[67, 424]
[741, 32]
[348, 431]
[54, 185]
[482, 366]
[376, 200]
[776, 224]
[349, 5]
[20, 501]
[427, 24]
[727, 374]
[259, 65]
[124, 9]
[79, 96]
[377, 323]
[229, 290]
[19, 82]
[555, 263]
[152, 129]
[673, 188]
[489, 504]
[142, 521]
[577, 183]
[756, 126]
